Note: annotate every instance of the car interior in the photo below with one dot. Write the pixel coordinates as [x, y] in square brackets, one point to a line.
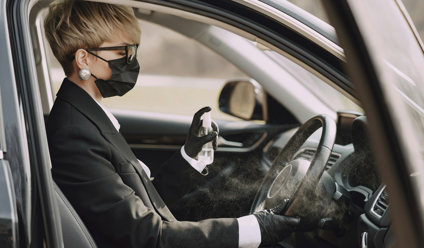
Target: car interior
[299, 135]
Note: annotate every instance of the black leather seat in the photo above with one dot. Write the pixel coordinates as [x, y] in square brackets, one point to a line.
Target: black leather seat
[75, 234]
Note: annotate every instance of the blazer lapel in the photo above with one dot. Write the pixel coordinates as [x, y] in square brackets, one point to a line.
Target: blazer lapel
[120, 143]
[80, 99]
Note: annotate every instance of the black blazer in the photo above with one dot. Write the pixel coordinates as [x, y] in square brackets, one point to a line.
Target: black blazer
[99, 174]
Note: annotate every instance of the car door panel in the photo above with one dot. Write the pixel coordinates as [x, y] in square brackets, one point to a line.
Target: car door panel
[237, 165]
[8, 211]
[145, 132]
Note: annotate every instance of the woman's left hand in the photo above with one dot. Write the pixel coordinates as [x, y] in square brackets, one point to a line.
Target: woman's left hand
[194, 143]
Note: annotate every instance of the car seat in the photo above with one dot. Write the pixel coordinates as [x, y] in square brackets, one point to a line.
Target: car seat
[75, 234]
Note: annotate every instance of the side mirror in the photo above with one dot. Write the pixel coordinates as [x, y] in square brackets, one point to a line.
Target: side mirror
[245, 99]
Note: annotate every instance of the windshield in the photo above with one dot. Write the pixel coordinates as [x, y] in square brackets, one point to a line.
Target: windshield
[334, 99]
[313, 7]
[305, 18]
[415, 9]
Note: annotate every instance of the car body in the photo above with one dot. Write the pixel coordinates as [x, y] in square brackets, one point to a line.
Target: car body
[367, 80]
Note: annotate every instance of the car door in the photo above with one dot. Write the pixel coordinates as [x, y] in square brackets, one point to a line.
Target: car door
[24, 144]
[8, 208]
[385, 59]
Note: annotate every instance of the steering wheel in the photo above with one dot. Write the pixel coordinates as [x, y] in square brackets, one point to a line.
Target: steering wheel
[291, 180]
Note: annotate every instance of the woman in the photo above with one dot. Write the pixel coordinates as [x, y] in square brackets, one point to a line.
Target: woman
[96, 44]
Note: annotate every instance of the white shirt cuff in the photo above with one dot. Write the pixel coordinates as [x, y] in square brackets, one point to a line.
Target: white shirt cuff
[196, 164]
[249, 232]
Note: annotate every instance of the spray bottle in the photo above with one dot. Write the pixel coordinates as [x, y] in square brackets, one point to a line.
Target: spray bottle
[206, 154]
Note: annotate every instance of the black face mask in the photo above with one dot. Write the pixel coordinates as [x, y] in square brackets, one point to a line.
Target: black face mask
[124, 77]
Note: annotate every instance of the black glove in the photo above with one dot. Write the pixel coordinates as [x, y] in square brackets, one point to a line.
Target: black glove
[194, 144]
[275, 227]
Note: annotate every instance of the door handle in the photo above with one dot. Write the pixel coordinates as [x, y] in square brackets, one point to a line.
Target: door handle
[364, 240]
[223, 142]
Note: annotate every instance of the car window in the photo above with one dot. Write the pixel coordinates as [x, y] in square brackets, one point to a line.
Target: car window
[173, 67]
[179, 75]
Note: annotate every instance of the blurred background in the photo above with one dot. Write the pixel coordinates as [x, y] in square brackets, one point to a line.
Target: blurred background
[414, 7]
[416, 10]
[174, 67]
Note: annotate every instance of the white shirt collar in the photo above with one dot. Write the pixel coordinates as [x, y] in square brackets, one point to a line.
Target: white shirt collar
[117, 127]
[110, 115]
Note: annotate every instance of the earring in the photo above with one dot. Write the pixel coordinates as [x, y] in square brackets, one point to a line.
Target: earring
[84, 74]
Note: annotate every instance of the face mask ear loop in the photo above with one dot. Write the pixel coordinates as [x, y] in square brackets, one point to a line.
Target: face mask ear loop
[96, 55]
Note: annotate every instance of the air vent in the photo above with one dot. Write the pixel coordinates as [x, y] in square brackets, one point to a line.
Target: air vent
[381, 204]
[309, 153]
[332, 160]
[306, 154]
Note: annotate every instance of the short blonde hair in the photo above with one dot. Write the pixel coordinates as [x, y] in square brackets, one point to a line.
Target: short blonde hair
[74, 24]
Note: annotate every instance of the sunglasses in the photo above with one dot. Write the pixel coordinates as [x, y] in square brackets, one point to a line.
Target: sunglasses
[130, 51]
